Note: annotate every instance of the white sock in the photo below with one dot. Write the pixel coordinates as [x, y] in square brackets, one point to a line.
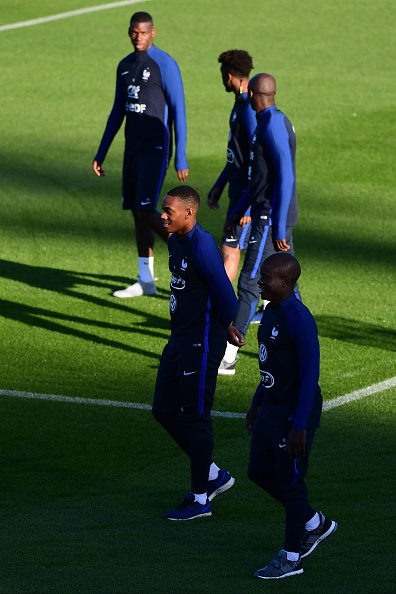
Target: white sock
[292, 556]
[146, 269]
[213, 472]
[200, 497]
[313, 523]
[230, 353]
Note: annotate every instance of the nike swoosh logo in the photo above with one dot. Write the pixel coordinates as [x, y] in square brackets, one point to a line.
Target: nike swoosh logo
[204, 509]
[282, 445]
[144, 203]
[126, 72]
[189, 372]
[220, 481]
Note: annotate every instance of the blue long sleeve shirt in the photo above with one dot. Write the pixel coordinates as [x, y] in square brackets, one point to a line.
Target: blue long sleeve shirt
[149, 94]
[202, 300]
[289, 363]
[242, 126]
[272, 190]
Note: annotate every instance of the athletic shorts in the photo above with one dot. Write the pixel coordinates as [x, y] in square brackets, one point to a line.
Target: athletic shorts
[239, 238]
[142, 179]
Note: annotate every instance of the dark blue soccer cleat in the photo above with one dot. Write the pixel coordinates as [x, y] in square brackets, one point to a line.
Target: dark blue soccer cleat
[222, 483]
[189, 509]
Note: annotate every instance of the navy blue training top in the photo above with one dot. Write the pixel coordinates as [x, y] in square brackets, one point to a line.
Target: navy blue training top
[202, 300]
[272, 172]
[242, 125]
[149, 93]
[289, 363]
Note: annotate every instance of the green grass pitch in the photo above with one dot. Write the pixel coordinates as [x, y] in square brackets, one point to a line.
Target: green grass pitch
[83, 488]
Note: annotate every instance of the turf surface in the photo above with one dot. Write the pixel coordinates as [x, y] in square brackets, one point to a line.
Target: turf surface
[83, 488]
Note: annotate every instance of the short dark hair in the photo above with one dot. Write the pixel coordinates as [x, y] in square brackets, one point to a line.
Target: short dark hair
[142, 17]
[237, 62]
[186, 194]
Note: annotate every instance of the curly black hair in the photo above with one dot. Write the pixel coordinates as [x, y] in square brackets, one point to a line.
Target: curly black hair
[237, 62]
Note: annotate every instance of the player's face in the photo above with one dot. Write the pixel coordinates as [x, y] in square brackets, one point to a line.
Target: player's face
[176, 215]
[271, 283]
[142, 35]
[252, 99]
[226, 78]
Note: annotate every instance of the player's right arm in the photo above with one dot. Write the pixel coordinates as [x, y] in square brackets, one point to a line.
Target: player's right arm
[114, 122]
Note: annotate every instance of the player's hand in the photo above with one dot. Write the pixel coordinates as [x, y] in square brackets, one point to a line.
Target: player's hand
[281, 245]
[97, 167]
[244, 221]
[213, 198]
[183, 175]
[295, 443]
[251, 417]
[235, 337]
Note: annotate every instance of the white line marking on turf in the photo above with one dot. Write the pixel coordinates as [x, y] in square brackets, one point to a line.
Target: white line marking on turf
[66, 15]
[327, 405]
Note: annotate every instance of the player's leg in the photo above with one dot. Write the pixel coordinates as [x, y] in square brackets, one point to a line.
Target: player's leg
[148, 173]
[263, 455]
[197, 379]
[248, 292]
[271, 469]
[231, 259]
[167, 404]
[231, 249]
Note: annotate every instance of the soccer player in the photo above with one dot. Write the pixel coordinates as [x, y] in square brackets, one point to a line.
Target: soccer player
[149, 94]
[202, 305]
[285, 413]
[235, 69]
[272, 194]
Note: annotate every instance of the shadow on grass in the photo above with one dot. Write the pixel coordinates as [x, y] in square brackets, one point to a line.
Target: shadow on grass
[356, 332]
[64, 282]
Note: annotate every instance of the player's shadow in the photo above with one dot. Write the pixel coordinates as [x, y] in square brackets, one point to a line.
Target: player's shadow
[356, 332]
[67, 282]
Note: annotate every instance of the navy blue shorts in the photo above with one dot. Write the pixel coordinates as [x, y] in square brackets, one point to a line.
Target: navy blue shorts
[142, 180]
[238, 239]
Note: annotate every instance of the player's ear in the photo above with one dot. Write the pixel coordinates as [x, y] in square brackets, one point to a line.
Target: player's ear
[153, 32]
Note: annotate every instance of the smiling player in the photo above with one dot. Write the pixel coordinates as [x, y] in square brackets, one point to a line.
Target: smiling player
[285, 413]
[202, 305]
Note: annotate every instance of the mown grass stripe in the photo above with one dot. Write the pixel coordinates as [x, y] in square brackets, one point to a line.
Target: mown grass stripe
[327, 405]
[66, 15]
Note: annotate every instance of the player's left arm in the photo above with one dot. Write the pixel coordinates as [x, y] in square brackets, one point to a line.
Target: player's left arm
[304, 334]
[172, 85]
[277, 141]
[209, 263]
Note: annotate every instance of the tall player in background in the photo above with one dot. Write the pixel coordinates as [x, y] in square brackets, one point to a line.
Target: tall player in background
[149, 94]
[235, 69]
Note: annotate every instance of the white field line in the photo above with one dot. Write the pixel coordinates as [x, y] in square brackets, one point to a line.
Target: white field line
[66, 15]
[327, 405]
